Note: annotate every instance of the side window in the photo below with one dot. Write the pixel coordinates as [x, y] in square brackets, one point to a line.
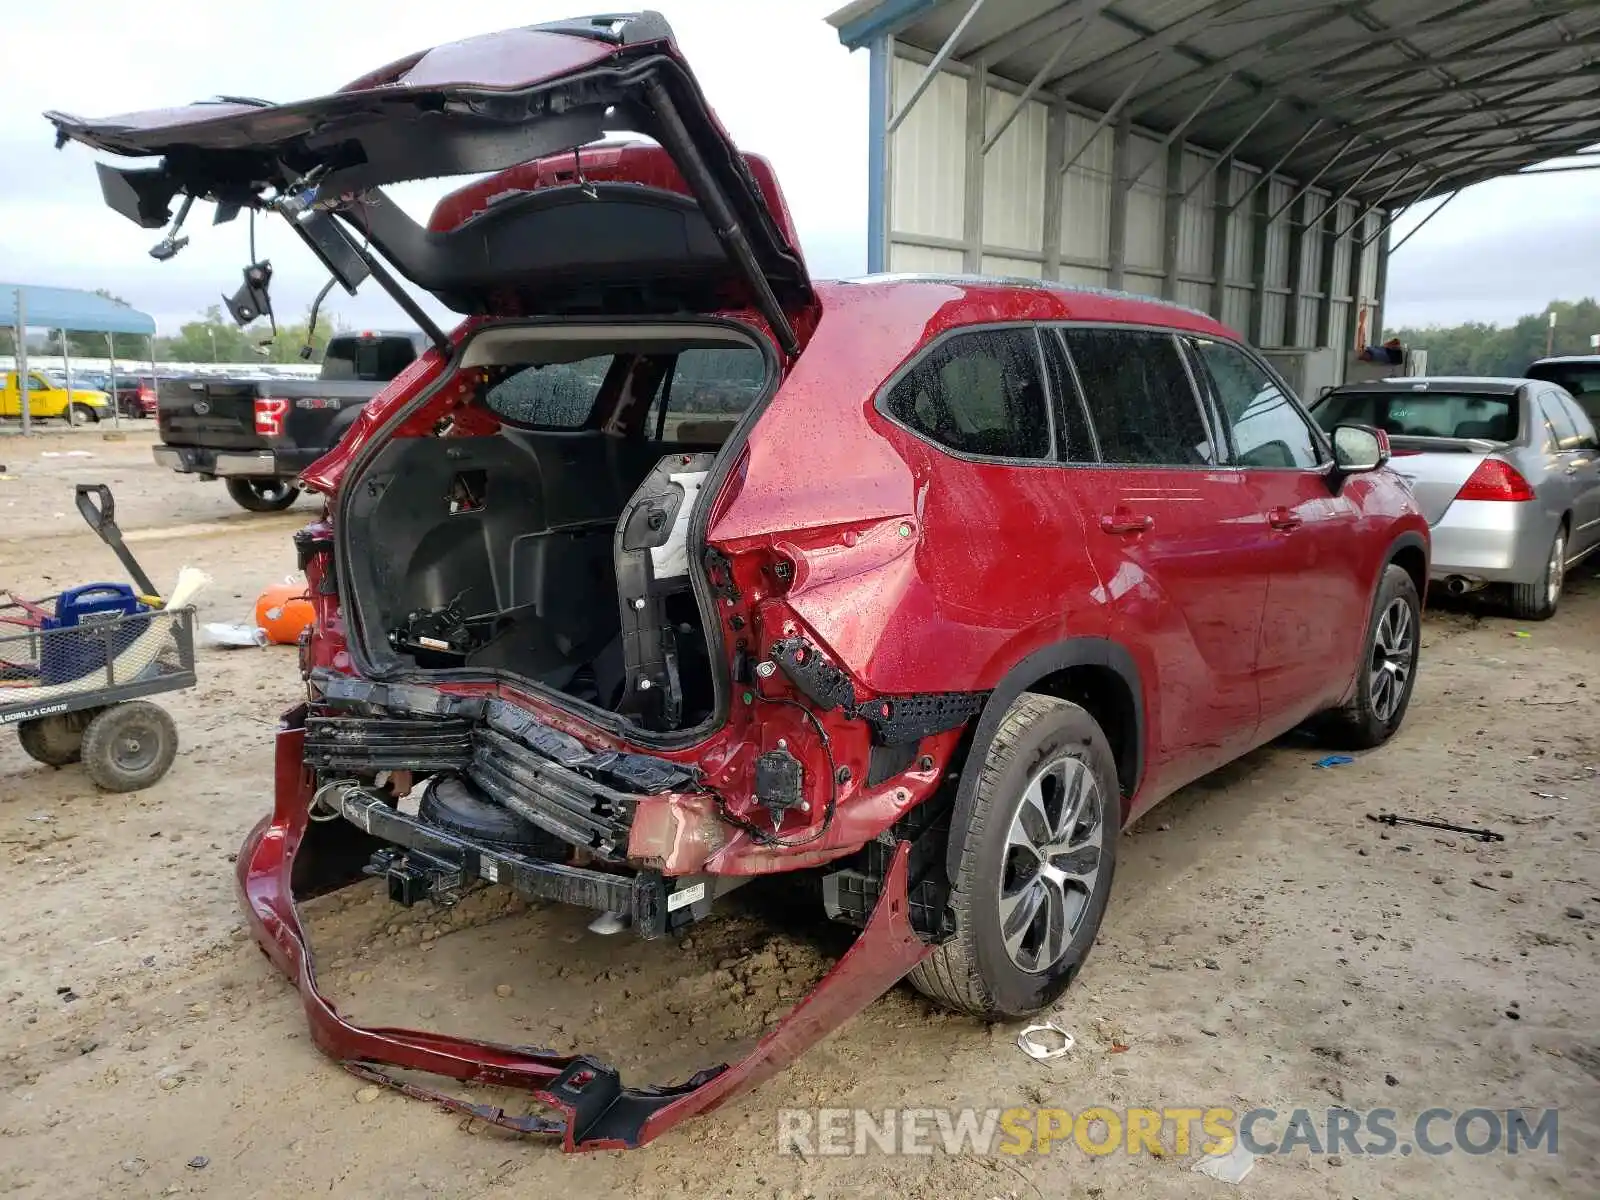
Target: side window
[1139, 397]
[1580, 421]
[1266, 428]
[706, 394]
[1562, 430]
[549, 396]
[978, 393]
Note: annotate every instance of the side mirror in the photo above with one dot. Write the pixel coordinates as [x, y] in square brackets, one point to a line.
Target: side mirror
[1358, 448]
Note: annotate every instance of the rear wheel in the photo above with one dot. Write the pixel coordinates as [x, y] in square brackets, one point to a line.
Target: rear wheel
[263, 495]
[56, 741]
[1036, 864]
[1537, 601]
[129, 746]
[81, 414]
[1388, 668]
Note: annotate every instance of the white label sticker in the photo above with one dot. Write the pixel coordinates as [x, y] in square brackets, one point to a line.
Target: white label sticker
[684, 896]
[490, 870]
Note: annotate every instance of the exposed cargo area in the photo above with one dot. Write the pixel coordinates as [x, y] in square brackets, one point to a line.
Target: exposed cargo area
[559, 550]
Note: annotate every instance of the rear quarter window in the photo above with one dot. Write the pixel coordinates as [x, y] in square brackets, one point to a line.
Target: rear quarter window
[980, 393]
[705, 393]
[548, 396]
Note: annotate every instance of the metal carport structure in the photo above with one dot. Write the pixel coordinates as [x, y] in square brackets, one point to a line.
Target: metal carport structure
[69, 310]
[1244, 157]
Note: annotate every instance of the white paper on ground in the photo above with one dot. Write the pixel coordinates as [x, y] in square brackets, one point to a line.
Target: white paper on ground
[220, 633]
[1230, 1167]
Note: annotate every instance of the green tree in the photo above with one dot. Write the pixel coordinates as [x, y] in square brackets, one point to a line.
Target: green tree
[215, 338]
[292, 338]
[1476, 348]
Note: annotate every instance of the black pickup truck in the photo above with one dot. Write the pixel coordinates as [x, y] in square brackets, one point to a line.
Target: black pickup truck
[259, 434]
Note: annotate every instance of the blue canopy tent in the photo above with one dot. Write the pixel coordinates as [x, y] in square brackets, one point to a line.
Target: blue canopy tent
[69, 310]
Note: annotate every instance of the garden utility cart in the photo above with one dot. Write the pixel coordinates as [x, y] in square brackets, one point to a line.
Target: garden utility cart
[76, 668]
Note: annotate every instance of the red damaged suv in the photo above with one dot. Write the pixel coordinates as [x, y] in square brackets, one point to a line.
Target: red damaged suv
[670, 567]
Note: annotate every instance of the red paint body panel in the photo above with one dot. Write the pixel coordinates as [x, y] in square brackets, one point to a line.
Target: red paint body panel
[637, 163]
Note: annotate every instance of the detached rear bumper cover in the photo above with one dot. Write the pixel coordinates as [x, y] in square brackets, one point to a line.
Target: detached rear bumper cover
[597, 1112]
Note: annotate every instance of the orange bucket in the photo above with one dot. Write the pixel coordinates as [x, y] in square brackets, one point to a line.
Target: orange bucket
[284, 611]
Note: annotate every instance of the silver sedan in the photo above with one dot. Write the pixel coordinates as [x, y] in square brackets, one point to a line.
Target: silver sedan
[1507, 471]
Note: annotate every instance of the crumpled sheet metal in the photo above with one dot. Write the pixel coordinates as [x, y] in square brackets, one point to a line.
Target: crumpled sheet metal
[596, 1111]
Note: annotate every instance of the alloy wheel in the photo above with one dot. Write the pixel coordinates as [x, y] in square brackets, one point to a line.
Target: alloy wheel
[1394, 653]
[1556, 571]
[1052, 859]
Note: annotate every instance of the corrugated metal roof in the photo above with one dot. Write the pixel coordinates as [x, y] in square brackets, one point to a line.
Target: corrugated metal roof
[75, 311]
[1385, 98]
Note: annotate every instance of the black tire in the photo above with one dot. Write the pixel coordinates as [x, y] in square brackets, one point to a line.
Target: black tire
[976, 971]
[130, 746]
[56, 741]
[263, 495]
[1537, 601]
[458, 807]
[1374, 714]
[82, 414]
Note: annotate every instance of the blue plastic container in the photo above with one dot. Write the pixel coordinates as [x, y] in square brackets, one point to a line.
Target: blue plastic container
[91, 620]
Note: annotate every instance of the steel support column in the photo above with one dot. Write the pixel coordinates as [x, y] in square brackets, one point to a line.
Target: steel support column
[1221, 215]
[1356, 256]
[1380, 288]
[1297, 268]
[880, 75]
[1055, 152]
[1171, 221]
[1260, 223]
[1327, 278]
[1117, 226]
[972, 206]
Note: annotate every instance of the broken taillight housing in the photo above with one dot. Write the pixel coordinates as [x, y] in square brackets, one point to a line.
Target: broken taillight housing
[270, 411]
[1495, 479]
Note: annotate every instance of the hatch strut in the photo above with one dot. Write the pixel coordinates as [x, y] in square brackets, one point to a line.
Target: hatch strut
[682, 148]
[375, 269]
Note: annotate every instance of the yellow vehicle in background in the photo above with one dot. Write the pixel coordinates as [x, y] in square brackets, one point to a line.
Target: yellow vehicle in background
[46, 399]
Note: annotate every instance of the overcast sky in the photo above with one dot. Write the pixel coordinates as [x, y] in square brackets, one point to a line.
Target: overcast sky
[773, 69]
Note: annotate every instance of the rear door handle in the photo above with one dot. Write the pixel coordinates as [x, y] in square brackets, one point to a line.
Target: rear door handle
[1282, 518]
[1123, 521]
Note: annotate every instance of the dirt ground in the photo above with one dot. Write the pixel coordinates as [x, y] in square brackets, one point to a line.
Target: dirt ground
[1266, 945]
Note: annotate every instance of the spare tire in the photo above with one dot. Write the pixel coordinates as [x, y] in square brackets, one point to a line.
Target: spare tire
[457, 806]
